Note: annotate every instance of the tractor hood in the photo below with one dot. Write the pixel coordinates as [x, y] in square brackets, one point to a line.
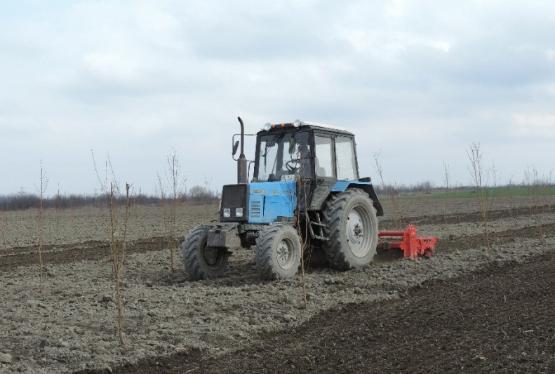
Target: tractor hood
[272, 201]
[259, 203]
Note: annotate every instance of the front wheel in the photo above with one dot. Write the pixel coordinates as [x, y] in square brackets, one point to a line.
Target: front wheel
[278, 252]
[200, 261]
[352, 228]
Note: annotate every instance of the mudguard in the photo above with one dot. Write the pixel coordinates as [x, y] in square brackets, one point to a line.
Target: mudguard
[342, 186]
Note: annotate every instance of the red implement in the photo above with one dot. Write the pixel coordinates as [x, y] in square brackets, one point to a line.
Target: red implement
[411, 244]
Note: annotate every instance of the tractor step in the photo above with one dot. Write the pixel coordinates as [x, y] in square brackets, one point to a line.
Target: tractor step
[410, 244]
[318, 224]
[316, 227]
[322, 238]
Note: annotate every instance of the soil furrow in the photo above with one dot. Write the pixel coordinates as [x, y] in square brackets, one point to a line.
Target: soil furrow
[496, 238]
[67, 253]
[94, 250]
[468, 217]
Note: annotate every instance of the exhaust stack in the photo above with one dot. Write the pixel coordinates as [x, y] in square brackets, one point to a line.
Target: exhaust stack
[242, 161]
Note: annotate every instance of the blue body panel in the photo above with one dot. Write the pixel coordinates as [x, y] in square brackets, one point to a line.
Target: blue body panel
[341, 186]
[270, 200]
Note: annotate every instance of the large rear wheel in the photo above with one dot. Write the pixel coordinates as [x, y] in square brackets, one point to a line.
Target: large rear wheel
[278, 252]
[352, 229]
[200, 261]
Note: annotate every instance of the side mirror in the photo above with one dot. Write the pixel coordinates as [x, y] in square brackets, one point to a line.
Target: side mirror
[235, 147]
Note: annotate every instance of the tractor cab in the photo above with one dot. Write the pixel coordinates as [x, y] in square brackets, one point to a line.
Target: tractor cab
[287, 151]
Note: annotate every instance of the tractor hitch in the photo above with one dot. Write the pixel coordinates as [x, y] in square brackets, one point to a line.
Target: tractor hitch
[409, 242]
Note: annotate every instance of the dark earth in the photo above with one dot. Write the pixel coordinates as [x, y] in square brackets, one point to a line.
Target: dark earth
[497, 320]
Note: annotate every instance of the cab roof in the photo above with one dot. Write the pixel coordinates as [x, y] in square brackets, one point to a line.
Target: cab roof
[270, 127]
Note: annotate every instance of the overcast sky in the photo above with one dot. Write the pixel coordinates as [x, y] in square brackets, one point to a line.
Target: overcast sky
[417, 81]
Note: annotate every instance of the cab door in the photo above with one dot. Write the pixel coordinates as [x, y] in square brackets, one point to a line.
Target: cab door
[345, 158]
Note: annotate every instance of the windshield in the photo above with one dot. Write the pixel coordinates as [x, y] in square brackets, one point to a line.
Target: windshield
[282, 156]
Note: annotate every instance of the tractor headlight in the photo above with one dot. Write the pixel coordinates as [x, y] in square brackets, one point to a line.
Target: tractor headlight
[227, 212]
[239, 212]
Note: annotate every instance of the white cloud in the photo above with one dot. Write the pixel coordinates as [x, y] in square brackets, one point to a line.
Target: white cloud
[113, 67]
[138, 78]
[396, 8]
[534, 125]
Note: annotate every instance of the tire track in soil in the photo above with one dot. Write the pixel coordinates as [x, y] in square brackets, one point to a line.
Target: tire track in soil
[469, 217]
[95, 250]
[67, 253]
[475, 241]
[498, 319]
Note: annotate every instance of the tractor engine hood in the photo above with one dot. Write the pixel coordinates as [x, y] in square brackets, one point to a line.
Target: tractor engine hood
[259, 203]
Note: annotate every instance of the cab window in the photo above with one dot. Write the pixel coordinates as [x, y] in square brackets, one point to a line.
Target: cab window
[282, 156]
[324, 159]
[346, 160]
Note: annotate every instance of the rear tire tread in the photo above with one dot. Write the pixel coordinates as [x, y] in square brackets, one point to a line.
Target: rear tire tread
[332, 212]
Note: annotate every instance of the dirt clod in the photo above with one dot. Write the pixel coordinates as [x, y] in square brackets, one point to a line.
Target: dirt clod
[6, 358]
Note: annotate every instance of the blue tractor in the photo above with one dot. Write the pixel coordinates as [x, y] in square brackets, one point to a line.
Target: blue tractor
[305, 194]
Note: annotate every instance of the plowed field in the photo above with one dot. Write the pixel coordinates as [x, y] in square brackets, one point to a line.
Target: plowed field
[469, 308]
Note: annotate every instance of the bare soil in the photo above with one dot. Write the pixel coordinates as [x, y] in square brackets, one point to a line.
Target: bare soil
[63, 321]
[497, 320]
[90, 224]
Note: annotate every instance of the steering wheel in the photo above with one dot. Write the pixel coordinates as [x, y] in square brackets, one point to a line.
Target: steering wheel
[293, 165]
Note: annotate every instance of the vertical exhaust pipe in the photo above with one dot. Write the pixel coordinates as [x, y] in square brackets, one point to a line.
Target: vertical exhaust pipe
[242, 161]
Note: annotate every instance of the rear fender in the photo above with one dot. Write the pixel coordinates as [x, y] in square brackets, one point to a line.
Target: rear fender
[342, 186]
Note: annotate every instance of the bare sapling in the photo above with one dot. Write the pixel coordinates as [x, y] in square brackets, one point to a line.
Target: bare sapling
[547, 185]
[103, 183]
[164, 220]
[173, 168]
[305, 245]
[4, 229]
[535, 185]
[446, 176]
[390, 191]
[57, 208]
[447, 186]
[117, 238]
[477, 173]
[493, 176]
[176, 185]
[43, 183]
[302, 187]
[118, 246]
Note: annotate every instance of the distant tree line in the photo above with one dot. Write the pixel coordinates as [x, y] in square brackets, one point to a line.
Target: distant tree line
[23, 200]
[427, 187]
[424, 187]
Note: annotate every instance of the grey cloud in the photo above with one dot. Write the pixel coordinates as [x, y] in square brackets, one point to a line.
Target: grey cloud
[139, 79]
